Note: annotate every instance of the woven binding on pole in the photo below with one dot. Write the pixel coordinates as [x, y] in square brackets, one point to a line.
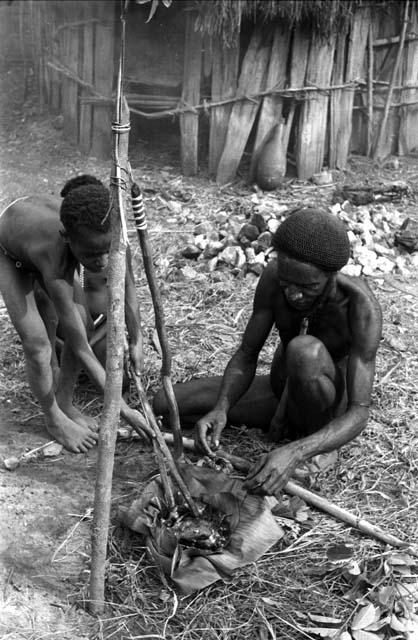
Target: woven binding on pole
[138, 209]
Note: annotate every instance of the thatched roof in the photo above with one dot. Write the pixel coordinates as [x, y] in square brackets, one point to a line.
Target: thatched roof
[224, 17]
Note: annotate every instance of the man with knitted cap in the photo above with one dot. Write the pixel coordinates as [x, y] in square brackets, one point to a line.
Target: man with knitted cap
[317, 395]
[43, 242]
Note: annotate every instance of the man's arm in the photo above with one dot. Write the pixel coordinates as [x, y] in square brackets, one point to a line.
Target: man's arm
[240, 370]
[272, 472]
[61, 292]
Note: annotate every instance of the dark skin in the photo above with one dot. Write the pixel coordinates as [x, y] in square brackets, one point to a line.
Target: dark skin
[327, 375]
[30, 230]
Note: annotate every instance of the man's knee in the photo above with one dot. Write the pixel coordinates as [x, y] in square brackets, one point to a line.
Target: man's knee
[305, 352]
[37, 349]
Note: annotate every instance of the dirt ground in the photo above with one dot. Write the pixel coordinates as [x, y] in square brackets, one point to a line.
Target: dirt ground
[46, 502]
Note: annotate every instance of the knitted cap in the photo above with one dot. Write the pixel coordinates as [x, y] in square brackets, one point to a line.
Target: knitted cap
[314, 236]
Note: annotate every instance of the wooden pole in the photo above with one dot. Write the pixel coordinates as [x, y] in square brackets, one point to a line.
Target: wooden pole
[378, 152]
[142, 231]
[189, 122]
[370, 91]
[114, 346]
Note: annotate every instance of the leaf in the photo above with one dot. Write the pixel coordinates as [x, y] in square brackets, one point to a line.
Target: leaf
[401, 559]
[354, 568]
[366, 635]
[339, 552]
[385, 595]
[345, 636]
[396, 624]
[153, 10]
[365, 616]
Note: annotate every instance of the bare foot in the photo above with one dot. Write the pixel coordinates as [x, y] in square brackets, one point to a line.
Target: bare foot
[80, 418]
[74, 437]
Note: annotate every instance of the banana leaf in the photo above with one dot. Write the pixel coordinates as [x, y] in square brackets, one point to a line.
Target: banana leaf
[253, 528]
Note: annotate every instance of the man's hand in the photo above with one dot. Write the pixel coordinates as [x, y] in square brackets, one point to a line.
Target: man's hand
[208, 431]
[137, 421]
[270, 474]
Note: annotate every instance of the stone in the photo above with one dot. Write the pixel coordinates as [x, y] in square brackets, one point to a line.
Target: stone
[221, 217]
[381, 250]
[257, 219]
[263, 242]
[191, 251]
[203, 228]
[212, 249]
[248, 232]
[233, 256]
[273, 224]
[384, 264]
[201, 241]
[250, 254]
[352, 269]
[323, 177]
[255, 267]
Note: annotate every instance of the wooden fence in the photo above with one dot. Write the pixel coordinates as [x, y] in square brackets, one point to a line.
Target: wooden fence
[357, 90]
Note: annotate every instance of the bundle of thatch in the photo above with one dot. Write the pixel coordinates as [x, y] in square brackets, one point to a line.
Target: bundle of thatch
[223, 18]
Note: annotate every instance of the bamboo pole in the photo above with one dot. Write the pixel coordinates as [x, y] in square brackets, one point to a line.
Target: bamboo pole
[379, 144]
[317, 501]
[114, 346]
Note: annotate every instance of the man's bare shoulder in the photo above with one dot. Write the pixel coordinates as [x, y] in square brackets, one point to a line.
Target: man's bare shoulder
[357, 289]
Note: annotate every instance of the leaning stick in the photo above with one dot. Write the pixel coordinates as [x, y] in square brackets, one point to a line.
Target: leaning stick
[161, 443]
[314, 499]
[142, 230]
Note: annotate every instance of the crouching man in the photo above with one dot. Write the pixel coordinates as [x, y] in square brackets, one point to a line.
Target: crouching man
[43, 241]
[318, 393]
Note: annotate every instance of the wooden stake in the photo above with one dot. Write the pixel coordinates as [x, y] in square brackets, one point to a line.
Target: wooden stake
[115, 350]
[378, 152]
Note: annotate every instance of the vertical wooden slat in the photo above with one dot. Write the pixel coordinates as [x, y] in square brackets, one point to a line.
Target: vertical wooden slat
[189, 122]
[271, 108]
[70, 49]
[342, 102]
[55, 81]
[103, 78]
[408, 129]
[310, 145]
[87, 73]
[252, 81]
[224, 84]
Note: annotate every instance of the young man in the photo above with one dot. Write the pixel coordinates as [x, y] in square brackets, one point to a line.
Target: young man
[42, 244]
[319, 388]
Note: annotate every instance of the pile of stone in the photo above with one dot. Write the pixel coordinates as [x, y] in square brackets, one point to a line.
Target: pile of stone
[244, 241]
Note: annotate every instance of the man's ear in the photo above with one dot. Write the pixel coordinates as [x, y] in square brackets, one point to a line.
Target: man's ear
[64, 236]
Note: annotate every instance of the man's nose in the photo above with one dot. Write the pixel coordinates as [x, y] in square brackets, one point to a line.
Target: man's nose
[294, 293]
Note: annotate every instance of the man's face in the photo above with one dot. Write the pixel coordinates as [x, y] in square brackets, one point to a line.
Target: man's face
[302, 283]
[91, 249]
